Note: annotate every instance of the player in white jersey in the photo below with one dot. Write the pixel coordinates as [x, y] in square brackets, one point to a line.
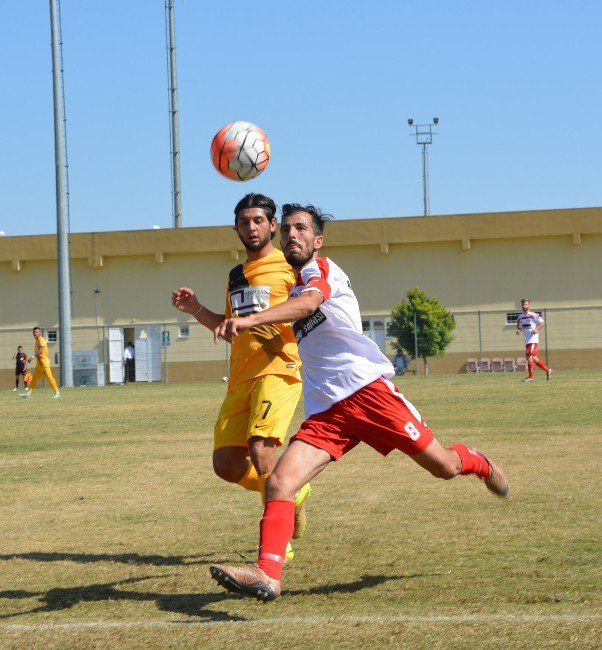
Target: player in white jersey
[337, 358]
[530, 323]
[348, 399]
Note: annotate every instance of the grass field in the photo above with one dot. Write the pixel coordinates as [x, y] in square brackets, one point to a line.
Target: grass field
[111, 515]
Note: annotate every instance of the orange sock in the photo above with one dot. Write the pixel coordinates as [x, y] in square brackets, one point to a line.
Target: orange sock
[253, 482]
[250, 480]
[262, 479]
[531, 367]
[542, 365]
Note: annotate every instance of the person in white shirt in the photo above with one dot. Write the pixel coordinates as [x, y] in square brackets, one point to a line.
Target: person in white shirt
[348, 399]
[530, 324]
[129, 362]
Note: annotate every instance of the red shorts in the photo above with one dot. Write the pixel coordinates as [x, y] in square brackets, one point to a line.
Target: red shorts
[377, 414]
[531, 349]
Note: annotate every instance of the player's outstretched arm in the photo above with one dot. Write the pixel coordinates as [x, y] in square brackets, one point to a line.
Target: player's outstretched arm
[286, 312]
[184, 299]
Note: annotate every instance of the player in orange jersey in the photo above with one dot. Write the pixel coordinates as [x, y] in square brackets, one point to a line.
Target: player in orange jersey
[347, 395]
[264, 385]
[42, 368]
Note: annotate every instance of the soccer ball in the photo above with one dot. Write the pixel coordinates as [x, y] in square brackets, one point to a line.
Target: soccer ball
[240, 151]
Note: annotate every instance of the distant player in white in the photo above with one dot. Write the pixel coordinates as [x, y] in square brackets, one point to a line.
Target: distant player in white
[530, 323]
[348, 399]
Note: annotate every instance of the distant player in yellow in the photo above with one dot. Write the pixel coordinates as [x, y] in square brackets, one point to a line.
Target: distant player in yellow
[265, 382]
[42, 368]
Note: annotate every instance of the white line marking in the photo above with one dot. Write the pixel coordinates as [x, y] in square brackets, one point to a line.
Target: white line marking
[312, 620]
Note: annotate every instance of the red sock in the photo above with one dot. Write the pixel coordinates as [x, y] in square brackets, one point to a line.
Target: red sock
[542, 365]
[473, 462]
[531, 367]
[276, 529]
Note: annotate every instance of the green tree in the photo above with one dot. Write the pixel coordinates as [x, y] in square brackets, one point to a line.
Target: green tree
[434, 321]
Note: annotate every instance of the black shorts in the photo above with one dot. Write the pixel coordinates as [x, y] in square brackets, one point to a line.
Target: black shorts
[20, 371]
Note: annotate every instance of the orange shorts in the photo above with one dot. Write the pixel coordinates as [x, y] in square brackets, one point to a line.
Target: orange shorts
[532, 349]
[377, 414]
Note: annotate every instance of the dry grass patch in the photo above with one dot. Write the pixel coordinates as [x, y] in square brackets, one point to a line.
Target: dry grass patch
[112, 515]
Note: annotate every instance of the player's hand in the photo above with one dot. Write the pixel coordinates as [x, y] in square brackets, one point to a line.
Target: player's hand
[185, 300]
[230, 328]
[30, 359]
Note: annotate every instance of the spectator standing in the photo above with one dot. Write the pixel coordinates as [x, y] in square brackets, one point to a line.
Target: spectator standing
[129, 363]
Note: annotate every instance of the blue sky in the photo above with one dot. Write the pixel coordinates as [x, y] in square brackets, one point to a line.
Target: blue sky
[516, 86]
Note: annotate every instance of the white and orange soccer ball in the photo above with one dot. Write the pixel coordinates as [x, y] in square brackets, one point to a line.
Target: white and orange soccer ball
[240, 151]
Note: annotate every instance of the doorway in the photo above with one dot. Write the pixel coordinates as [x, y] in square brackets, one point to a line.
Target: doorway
[147, 351]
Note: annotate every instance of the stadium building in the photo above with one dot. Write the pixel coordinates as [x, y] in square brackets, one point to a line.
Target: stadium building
[478, 265]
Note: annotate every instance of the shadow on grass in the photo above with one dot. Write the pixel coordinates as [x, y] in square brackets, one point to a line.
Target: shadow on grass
[193, 605]
[123, 558]
[365, 582]
[64, 598]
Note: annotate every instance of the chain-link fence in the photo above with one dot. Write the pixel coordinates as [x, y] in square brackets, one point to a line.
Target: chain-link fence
[165, 352]
[177, 351]
[571, 338]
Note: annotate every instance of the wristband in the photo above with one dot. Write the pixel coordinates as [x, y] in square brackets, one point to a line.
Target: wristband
[198, 311]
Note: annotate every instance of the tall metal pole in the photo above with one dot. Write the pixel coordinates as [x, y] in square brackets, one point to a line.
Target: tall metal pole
[416, 343]
[425, 179]
[424, 136]
[545, 334]
[480, 341]
[173, 109]
[62, 201]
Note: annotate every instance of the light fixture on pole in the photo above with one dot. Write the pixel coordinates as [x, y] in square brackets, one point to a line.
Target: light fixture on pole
[424, 136]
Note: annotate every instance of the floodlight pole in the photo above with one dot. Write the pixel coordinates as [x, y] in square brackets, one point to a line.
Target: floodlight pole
[174, 130]
[62, 198]
[425, 179]
[424, 136]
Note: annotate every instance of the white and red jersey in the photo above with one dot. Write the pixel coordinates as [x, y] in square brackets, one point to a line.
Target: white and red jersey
[337, 358]
[527, 323]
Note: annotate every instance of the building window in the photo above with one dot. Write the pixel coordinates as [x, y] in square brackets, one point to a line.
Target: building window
[184, 332]
[387, 327]
[52, 336]
[512, 317]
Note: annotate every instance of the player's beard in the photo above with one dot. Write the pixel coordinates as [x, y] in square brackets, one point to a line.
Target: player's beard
[298, 258]
[258, 245]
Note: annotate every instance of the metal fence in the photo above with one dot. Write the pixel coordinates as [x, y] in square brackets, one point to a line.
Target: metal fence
[180, 351]
[163, 351]
[571, 338]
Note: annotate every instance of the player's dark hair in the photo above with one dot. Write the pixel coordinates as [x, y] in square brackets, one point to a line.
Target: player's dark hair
[37, 327]
[524, 300]
[318, 218]
[261, 201]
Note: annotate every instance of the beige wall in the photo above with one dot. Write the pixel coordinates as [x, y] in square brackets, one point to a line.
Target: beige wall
[469, 262]
[493, 274]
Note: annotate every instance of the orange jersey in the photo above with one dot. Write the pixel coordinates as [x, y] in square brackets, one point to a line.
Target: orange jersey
[266, 349]
[42, 357]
